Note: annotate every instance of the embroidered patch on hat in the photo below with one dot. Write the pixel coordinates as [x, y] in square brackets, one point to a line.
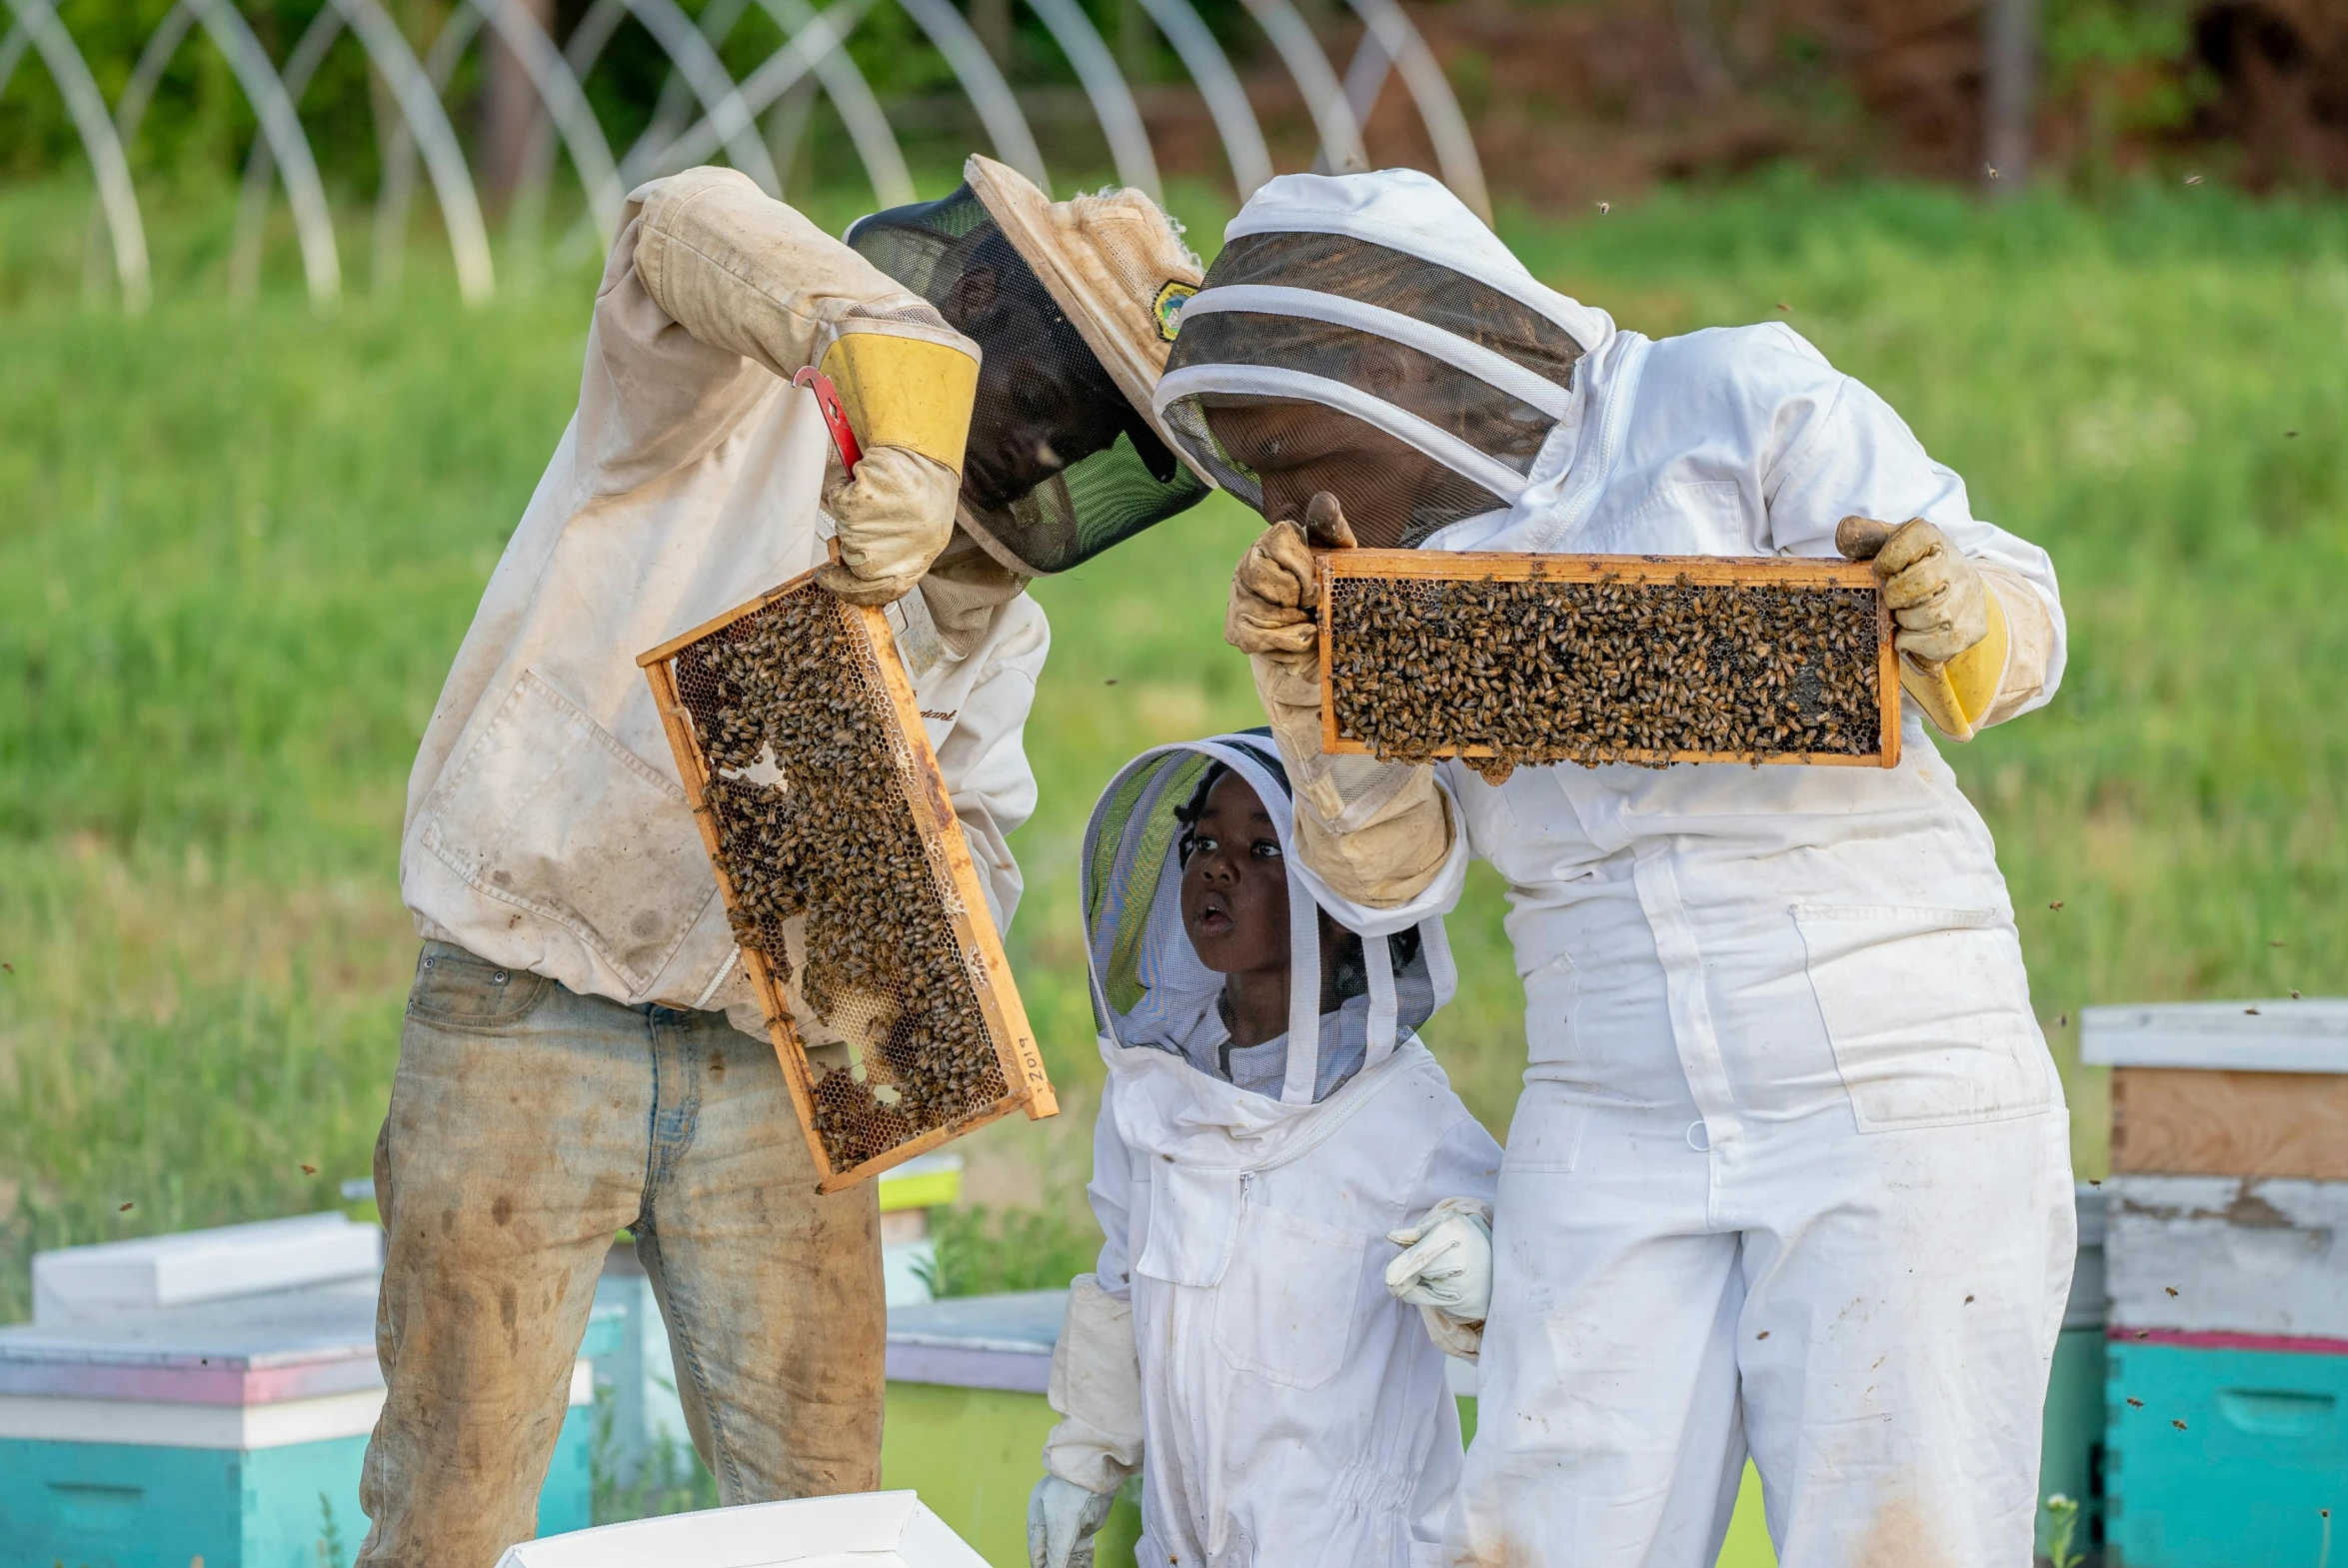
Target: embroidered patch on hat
[1168, 308]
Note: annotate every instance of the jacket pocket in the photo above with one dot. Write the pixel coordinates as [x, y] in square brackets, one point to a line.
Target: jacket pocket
[1928, 1013]
[1545, 1132]
[1551, 992]
[454, 989]
[1194, 1221]
[548, 811]
[1285, 1309]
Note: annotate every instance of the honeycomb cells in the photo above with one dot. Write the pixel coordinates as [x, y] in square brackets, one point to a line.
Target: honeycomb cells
[809, 790]
[1544, 672]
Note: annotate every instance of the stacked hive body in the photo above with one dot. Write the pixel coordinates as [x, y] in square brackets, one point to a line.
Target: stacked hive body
[860, 915]
[2227, 1257]
[1524, 659]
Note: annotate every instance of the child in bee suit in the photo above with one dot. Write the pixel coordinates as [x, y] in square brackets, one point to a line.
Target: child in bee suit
[1272, 1213]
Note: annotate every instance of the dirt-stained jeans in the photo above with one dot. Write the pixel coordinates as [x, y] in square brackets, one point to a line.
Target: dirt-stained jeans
[528, 1123]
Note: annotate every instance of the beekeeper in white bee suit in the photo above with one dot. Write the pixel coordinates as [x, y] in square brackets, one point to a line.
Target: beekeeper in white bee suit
[1272, 1215]
[1789, 1174]
[582, 1051]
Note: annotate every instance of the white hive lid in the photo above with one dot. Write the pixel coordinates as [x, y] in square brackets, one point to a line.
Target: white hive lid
[78, 1284]
[861, 1530]
[2287, 1035]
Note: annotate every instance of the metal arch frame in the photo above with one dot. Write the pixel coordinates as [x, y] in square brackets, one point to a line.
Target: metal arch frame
[735, 123]
[558, 90]
[783, 70]
[1390, 37]
[717, 22]
[425, 123]
[812, 46]
[1227, 101]
[844, 84]
[1104, 85]
[258, 80]
[313, 224]
[819, 39]
[47, 34]
[998, 111]
[527, 209]
[1325, 97]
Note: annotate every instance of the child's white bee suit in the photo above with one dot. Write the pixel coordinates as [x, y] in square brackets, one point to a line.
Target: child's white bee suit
[1282, 1407]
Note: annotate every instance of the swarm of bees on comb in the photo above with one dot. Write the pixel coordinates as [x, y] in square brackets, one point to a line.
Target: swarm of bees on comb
[833, 883]
[1543, 671]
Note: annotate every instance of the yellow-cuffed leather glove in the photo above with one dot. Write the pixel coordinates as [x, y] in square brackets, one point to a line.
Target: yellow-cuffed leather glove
[1378, 832]
[909, 401]
[1275, 593]
[1952, 638]
[894, 515]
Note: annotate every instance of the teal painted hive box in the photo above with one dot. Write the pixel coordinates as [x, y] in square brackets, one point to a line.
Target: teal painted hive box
[2222, 1455]
[228, 1428]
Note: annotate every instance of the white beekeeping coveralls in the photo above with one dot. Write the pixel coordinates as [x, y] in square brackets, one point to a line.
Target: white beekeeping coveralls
[545, 826]
[1291, 1411]
[1791, 1171]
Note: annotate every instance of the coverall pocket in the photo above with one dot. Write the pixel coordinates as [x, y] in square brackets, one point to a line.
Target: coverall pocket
[1286, 1308]
[549, 813]
[1928, 1013]
[455, 990]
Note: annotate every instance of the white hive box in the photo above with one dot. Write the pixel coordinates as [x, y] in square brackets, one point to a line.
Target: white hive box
[209, 1397]
[863, 1530]
[88, 1285]
[2222, 1257]
[2226, 1089]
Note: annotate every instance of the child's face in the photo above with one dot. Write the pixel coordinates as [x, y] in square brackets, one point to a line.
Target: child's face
[1235, 885]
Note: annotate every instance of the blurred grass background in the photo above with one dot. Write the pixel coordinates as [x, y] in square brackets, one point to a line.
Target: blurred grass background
[236, 551]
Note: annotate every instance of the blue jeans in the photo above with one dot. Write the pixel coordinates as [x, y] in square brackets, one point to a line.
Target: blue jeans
[528, 1124]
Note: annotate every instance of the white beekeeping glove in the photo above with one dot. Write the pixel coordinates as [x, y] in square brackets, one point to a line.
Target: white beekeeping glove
[1062, 1518]
[1446, 1271]
[1096, 1388]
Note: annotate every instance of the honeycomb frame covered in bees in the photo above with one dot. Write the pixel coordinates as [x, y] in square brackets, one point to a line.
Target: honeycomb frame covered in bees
[860, 916]
[1515, 659]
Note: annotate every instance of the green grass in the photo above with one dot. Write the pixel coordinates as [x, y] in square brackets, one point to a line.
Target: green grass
[237, 552]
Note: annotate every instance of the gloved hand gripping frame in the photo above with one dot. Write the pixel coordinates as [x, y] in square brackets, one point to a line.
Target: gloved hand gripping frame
[920, 1051]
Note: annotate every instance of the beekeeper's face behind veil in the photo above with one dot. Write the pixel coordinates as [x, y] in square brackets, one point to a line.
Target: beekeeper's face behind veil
[1073, 305]
[1366, 336]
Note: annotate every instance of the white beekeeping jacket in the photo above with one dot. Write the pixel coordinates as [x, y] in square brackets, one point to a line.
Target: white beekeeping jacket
[1817, 928]
[1293, 1413]
[547, 828]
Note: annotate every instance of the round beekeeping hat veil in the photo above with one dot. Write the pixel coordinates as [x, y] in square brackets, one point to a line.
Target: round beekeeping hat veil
[1098, 284]
[1149, 987]
[1379, 297]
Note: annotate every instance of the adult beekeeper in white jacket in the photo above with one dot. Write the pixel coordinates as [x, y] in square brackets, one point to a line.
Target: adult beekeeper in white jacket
[582, 1053]
[1790, 1170]
[1272, 1214]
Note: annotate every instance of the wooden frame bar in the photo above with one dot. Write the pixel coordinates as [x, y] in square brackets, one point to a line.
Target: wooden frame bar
[1694, 570]
[960, 892]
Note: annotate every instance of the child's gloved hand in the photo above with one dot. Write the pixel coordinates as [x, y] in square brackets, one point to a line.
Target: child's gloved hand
[1062, 1518]
[1448, 1264]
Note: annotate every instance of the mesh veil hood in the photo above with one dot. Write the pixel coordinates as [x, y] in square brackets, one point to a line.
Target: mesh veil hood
[1382, 297]
[1149, 987]
[1070, 328]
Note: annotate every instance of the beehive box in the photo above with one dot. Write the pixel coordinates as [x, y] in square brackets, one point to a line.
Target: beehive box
[1507, 658]
[2226, 1089]
[852, 892]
